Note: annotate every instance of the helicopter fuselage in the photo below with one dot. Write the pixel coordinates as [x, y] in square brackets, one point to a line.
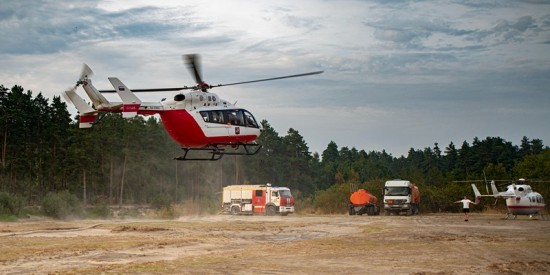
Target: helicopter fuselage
[525, 201]
[193, 129]
[201, 119]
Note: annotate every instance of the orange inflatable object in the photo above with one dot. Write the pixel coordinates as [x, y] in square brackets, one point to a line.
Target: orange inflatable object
[362, 197]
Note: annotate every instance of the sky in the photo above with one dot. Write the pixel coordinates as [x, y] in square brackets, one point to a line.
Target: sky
[397, 74]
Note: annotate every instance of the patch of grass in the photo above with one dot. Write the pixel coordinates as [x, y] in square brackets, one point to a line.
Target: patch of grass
[8, 218]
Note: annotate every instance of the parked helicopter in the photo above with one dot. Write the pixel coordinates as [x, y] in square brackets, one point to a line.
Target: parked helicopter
[197, 120]
[520, 199]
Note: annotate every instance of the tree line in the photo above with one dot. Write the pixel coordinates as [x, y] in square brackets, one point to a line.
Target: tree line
[130, 161]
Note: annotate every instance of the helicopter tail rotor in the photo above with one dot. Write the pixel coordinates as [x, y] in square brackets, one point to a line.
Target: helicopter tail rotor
[85, 73]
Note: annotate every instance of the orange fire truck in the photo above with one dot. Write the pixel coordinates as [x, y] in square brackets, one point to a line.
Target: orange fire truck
[257, 199]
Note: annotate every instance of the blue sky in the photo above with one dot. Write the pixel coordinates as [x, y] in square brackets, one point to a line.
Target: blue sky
[398, 74]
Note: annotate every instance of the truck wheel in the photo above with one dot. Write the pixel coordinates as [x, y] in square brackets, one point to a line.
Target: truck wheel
[271, 211]
[235, 210]
[351, 210]
[371, 210]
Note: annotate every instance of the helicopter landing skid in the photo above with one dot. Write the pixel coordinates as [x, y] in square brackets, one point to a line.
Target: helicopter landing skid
[510, 216]
[543, 216]
[216, 153]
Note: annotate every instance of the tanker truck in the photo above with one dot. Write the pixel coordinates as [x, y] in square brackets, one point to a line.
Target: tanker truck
[362, 202]
[401, 196]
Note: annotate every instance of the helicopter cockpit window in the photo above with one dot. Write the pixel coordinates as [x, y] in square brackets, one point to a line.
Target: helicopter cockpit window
[250, 121]
[235, 117]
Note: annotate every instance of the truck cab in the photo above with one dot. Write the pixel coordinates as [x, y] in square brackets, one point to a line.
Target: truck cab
[401, 196]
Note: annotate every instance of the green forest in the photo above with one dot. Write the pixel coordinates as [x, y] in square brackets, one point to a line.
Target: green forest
[130, 162]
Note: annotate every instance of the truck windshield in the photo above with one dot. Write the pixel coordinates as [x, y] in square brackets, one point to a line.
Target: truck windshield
[285, 193]
[396, 191]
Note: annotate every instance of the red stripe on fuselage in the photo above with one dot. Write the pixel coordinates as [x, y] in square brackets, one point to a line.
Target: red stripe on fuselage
[183, 128]
[526, 207]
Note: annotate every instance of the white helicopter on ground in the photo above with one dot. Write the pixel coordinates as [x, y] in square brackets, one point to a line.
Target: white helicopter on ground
[520, 199]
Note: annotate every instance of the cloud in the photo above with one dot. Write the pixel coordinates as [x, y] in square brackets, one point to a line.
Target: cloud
[409, 66]
[42, 27]
[505, 31]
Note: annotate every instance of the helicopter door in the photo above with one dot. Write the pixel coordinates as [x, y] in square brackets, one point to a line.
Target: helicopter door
[215, 122]
[235, 121]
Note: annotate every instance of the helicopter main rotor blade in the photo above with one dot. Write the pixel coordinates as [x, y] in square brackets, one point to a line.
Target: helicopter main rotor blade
[268, 79]
[193, 63]
[152, 90]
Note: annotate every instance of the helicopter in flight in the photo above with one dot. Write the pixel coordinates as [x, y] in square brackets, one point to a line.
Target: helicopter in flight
[197, 120]
[520, 199]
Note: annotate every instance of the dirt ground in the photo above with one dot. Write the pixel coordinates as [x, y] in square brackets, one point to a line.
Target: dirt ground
[330, 244]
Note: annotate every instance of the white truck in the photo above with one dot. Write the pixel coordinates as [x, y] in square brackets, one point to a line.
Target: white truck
[257, 199]
[401, 196]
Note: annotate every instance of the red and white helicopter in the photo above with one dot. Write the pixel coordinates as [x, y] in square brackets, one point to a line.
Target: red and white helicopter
[520, 199]
[197, 120]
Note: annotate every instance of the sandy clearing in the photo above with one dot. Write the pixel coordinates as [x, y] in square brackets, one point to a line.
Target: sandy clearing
[341, 244]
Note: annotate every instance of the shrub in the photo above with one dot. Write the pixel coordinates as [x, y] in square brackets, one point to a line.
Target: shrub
[334, 200]
[304, 205]
[161, 201]
[100, 210]
[61, 205]
[10, 204]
